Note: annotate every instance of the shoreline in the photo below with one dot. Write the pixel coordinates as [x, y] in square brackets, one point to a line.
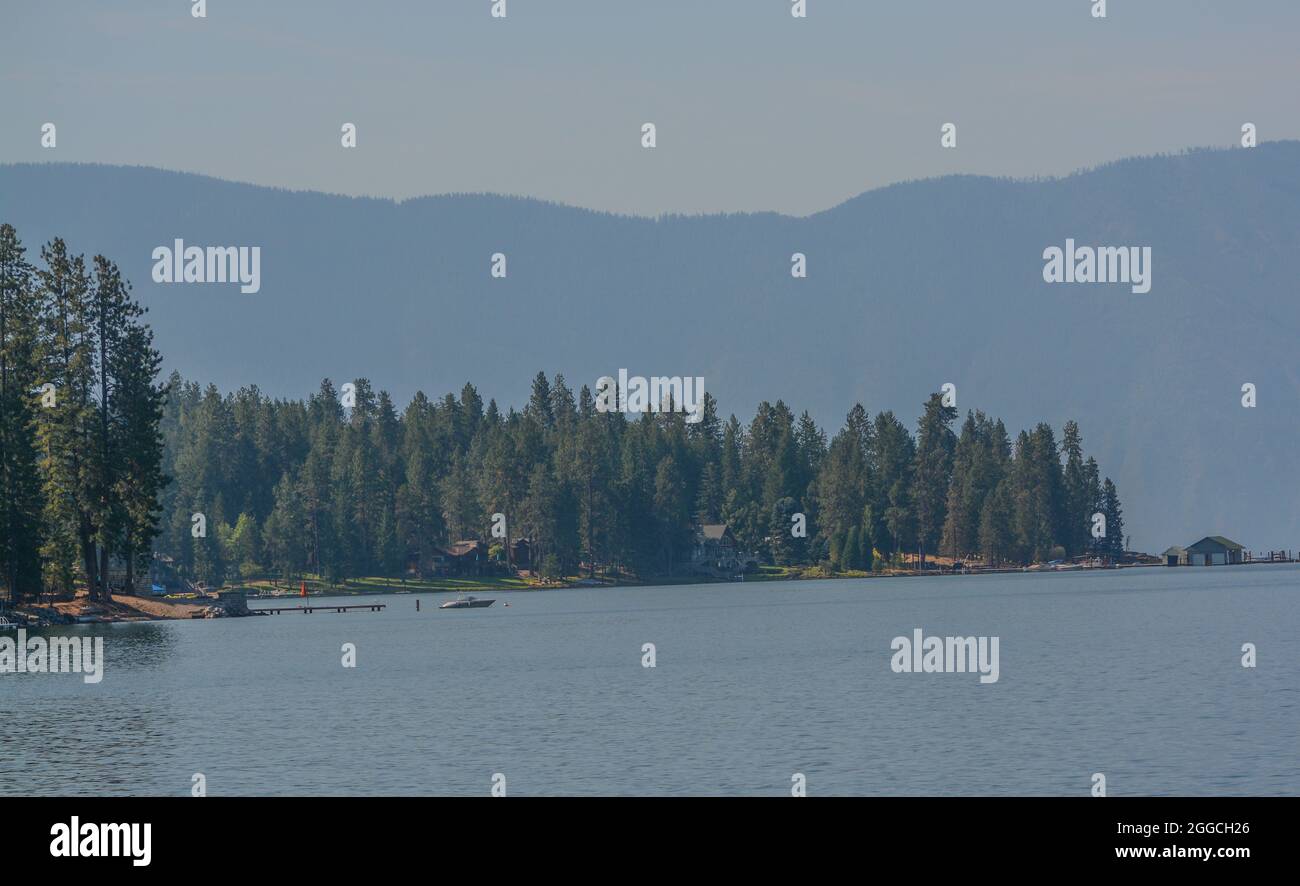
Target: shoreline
[132, 609]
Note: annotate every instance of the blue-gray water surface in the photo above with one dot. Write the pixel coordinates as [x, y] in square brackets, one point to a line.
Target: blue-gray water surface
[1136, 674]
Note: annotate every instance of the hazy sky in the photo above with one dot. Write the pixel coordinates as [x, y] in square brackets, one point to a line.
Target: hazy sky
[755, 110]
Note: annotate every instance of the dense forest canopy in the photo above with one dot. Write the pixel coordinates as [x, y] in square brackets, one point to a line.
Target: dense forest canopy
[314, 487]
[119, 468]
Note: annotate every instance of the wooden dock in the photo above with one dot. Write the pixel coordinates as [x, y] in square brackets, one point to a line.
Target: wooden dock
[327, 607]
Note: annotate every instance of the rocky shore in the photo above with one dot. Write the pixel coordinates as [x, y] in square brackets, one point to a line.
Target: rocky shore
[124, 608]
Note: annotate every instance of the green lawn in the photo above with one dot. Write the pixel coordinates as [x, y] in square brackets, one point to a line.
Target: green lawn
[382, 585]
[482, 583]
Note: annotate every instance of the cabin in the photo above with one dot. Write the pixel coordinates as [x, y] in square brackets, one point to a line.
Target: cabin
[717, 552]
[160, 578]
[466, 557]
[714, 544]
[1214, 550]
[431, 561]
[163, 576]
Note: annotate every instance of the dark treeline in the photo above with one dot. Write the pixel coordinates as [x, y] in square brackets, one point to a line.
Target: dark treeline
[313, 487]
[80, 447]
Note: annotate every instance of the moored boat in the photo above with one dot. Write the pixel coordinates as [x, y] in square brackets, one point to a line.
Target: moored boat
[466, 603]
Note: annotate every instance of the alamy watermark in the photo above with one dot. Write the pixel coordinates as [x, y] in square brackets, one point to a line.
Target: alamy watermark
[179, 263]
[1099, 264]
[110, 840]
[920, 654]
[633, 394]
[55, 655]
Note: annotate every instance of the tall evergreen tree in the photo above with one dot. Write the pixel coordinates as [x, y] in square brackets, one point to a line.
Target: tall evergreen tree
[932, 475]
[996, 533]
[1078, 511]
[1114, 519]
[22, 508]
[71, 488]
[137, 442]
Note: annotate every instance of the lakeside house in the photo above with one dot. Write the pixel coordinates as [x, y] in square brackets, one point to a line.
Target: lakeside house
[160, 578]
[1213, 550]
[465, 557]
[716, 551]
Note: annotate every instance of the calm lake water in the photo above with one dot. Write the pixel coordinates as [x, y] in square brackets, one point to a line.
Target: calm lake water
[1134, 673]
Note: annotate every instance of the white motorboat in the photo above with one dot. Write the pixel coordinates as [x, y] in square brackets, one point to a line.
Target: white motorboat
[463, 602]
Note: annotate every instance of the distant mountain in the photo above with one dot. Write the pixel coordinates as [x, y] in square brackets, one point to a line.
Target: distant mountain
[908, 287]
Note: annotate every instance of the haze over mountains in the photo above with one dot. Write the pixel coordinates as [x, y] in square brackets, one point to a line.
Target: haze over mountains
[908, 287]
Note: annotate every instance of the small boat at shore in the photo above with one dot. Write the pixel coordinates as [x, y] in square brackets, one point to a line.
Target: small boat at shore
[466, 603]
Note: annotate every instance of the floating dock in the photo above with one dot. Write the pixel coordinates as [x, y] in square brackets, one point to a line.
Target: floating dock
[329, 607]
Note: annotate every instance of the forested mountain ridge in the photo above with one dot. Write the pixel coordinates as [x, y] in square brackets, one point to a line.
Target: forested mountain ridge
[908, 287]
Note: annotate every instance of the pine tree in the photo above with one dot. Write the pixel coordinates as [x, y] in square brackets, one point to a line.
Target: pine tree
[137, 444]
[837, 541]
[852, 551]
[1078, 511]
[843, 484]
[538, 513]
[976, 472]
[811, 442]
[540, 407]
[1095, 499]
[786, 549]
[900, 516]
[1114, 520]
[420, 523]
[933, 472]
[460, 508]
[592, 470]
[65, 430]
[671, 512]
[866, 549]
[893, 456]
[708, 501]
[1038, 495]
[22, 528]
[284, 536]
[996, 535]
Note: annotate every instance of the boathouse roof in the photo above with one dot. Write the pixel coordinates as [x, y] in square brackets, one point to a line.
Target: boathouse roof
[1214, 543]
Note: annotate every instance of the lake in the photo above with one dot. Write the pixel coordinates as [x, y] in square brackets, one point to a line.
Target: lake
[1135, 674]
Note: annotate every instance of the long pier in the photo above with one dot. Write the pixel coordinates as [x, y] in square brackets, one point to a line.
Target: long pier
[328, 607]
